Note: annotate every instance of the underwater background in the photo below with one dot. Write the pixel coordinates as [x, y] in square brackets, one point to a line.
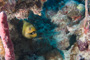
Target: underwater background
[46, 29]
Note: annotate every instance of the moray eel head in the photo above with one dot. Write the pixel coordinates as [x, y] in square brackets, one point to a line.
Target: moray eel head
[29, 30]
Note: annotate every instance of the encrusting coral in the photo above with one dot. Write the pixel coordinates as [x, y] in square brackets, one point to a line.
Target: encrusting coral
[7, 5]
[2, 50]
[61, 37]
[83, 38]
[73, 10]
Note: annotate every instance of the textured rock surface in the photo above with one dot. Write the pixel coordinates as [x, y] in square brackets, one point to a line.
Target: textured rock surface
[56, 22]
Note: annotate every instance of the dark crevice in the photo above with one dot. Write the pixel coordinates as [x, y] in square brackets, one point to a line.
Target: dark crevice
[72, 41]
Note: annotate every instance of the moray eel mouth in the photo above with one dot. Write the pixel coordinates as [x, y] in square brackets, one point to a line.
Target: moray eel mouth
[34, 32]
[31, 35]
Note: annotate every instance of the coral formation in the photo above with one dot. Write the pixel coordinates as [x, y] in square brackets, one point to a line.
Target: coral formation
[8, 5]
[8, 45]
[83, 38]
[2, 50]
[74, 52]
[58, 24]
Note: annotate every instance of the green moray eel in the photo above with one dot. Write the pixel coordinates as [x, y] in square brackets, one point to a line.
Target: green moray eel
[28, 30]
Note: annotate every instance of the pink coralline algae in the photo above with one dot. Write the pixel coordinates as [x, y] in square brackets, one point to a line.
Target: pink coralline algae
[4, 33]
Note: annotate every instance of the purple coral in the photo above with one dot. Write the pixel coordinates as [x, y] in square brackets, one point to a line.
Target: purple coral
[4, 33]
[82, 45]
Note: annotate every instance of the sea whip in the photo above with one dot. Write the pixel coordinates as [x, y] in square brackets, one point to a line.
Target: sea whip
[4, 33]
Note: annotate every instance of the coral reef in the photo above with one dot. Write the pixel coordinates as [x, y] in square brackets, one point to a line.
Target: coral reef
[53, 33]
[8, 45]
[83, 37]
[58, 25]
[7, 5]
[2, 50]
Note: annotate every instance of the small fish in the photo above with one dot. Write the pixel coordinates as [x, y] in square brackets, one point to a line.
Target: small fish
[28, 30]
